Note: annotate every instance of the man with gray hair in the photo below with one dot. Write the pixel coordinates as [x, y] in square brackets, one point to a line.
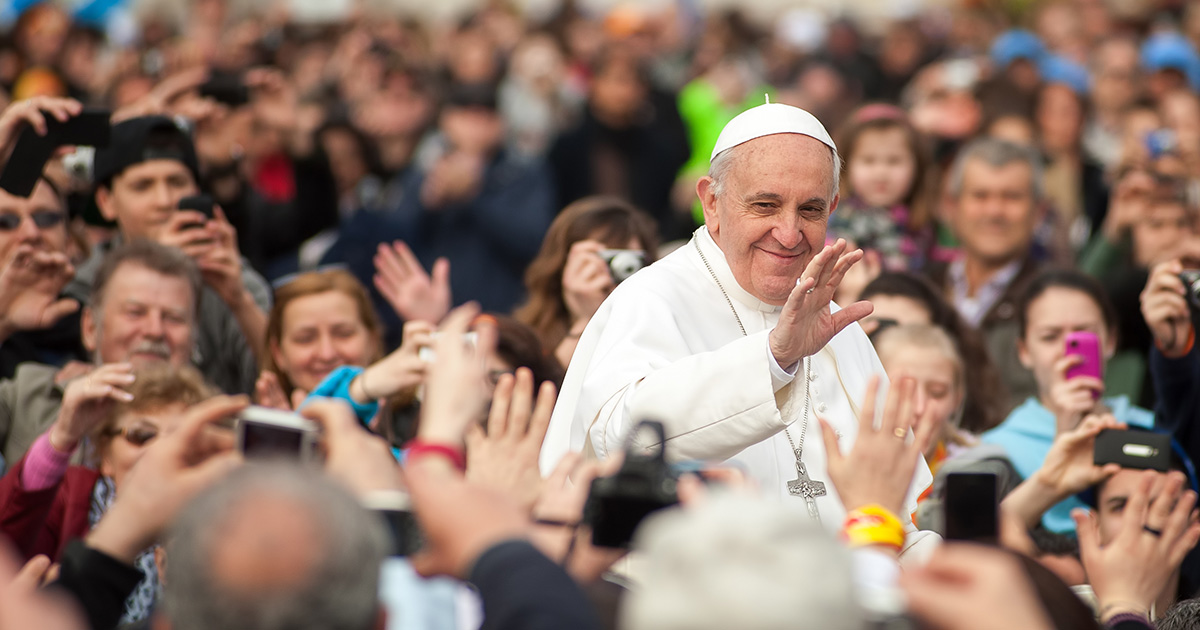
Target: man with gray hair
[997, 194]
[142, 310]
[275, 546]
[733, 342]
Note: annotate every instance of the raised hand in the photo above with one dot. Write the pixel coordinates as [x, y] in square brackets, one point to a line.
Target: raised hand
[1071, 399]
[413, 294]
[87, 401]
[505, 457]
[880, 466]
[220, 262]
[1158, 528]
[559, 512]
[359, 459]
[403, 369]
[30, 283]
[586, 281]
[30, 112]
[807, 323]
[456, 387]
[269, 393]
[1165, 308]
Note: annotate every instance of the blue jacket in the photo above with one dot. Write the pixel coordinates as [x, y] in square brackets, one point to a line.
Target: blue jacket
[1029, 431]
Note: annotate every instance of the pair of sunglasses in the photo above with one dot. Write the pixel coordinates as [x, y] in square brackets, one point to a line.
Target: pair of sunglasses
[137, 436]
[44, 219]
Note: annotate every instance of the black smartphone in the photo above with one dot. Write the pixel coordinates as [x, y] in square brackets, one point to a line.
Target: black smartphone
[972, 508]
[1133, 449]
[198, 203]
[31, 152]
[227, 88]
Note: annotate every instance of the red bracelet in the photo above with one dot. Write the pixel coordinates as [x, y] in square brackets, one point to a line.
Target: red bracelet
[416, 448]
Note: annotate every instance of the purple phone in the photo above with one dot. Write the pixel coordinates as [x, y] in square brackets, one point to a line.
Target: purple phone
[1087, 346]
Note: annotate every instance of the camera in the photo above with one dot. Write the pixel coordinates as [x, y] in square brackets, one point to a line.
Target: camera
[395, 508]
[623, 263]
[1191, 284]
[262, 432]
[617, 505]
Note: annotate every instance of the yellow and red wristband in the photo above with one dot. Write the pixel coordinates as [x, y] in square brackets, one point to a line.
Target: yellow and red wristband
[873, 525]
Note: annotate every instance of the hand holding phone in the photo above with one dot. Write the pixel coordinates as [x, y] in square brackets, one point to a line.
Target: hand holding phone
[1090, 363]
[269, 433]
[1133, 449]
[32, 150]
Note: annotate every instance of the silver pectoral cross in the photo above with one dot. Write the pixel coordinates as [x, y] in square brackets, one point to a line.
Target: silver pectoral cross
[806, 487]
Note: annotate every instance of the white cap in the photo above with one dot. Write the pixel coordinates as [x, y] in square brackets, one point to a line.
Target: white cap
[767, 120]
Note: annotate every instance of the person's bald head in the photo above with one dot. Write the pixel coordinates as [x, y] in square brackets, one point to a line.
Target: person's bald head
[274, 546]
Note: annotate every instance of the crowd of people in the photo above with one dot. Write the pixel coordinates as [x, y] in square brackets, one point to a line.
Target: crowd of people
[834, 262]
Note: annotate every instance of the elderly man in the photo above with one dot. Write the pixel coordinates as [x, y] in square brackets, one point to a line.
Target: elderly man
[997, 191]
[732, 341]
[142, 309]
[149, 166]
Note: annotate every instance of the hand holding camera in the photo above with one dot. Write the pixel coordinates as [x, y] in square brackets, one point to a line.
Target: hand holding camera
[1167, 304]
[586, 280]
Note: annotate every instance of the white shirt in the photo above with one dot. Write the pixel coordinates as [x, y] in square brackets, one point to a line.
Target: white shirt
[666, 346]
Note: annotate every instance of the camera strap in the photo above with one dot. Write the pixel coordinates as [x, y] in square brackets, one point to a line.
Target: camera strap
[802, 486]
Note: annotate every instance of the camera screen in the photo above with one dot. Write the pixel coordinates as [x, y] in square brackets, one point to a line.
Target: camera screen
[407, 537]
[261, 440]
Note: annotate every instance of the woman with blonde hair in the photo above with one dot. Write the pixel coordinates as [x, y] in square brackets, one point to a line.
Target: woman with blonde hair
[575, 269]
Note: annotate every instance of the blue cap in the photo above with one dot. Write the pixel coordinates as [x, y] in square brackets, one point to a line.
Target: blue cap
[1059, 69]
[1015, 44]
[1172, 51]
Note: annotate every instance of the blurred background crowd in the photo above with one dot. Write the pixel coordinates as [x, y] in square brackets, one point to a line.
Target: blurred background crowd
[1014, 170]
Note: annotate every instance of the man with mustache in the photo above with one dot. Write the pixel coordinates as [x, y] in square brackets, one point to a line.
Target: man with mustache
[995, 206]
[142, 309]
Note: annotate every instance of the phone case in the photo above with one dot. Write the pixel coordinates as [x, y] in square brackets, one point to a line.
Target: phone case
[1133, 449]
[1087, 346]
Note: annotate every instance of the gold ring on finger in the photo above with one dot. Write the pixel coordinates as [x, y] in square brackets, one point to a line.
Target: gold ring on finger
[900, 433]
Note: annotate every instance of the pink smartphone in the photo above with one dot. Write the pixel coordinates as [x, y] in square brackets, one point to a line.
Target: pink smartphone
[1087, 346]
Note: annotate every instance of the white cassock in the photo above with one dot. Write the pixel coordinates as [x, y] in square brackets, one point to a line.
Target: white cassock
[665, 346]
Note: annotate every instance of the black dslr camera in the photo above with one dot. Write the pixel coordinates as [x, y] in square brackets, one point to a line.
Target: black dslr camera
[617, 505]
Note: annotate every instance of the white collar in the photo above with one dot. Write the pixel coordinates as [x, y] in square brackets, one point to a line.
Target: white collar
[720, 267]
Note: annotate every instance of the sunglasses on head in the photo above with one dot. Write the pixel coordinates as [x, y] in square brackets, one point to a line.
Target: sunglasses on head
[42, 218]
[137, 436]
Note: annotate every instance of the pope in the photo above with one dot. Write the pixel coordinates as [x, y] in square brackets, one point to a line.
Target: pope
[733, 341]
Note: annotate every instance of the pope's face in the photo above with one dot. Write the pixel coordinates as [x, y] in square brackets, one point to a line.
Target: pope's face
[770, 218]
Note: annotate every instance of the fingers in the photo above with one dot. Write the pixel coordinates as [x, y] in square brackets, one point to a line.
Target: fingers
[1164, 500]
[831, 254]
[539, 423]
[850, 314]
[336, 418]
[209, 412]
[522, 404]
[833, 451]
[848, 260]
[905, 410]
[501, 399]
[1137, 507]
[866, 419]
[1086, 529]
[562, 470]
[29, 577]
[441, 273]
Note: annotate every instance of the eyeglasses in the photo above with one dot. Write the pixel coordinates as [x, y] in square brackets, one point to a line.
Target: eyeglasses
[44, 219]
[137, 436]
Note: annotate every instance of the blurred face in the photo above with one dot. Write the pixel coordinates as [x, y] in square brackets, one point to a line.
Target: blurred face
[39, 221]
[1159, 234]
[1136, 125]
[1055, 313]
[770, 219]
[1014, 129]
[1113, 497]
[138, 429]
[1181, 114]
[475, 129]
[1059, 118]
[617, 93]
[320, 332]
[936, 375]
[883, 167]
[1115, 79]
[895, 308]
[144, 196]
[146, 317]
[345, 159]
[996, 213]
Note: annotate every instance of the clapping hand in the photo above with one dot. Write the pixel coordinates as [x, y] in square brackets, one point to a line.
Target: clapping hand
[880, 466]
[1158, 528]
[86, 402]
[505, 457]
[30, 283]
[413, 294]
[807, 323]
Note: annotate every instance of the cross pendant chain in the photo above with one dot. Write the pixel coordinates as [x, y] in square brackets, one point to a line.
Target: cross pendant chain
[804, 486]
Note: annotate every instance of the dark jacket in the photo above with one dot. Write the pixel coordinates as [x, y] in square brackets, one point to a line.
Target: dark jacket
[523, 590]
[1178, 409]
[1000, 330]
[44, 521]
[647, 157]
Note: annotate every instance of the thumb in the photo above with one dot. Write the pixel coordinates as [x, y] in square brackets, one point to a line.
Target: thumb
[1085, 529]
[30, 575]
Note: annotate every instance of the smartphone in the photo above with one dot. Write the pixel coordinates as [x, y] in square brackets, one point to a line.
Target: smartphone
[262, 432]
[1085, 345]
[31, 152]
[972, 508]
[227, 88]
[1133, 449]
[395, 508]
[198, 203]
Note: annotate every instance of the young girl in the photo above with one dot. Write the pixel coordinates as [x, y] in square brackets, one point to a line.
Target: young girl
[1056, 303]
[884, 208]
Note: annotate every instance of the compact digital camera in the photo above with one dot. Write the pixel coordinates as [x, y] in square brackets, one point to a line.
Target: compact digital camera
[617, 505]
[269, 433]
[1191, 283]
[623, 263]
